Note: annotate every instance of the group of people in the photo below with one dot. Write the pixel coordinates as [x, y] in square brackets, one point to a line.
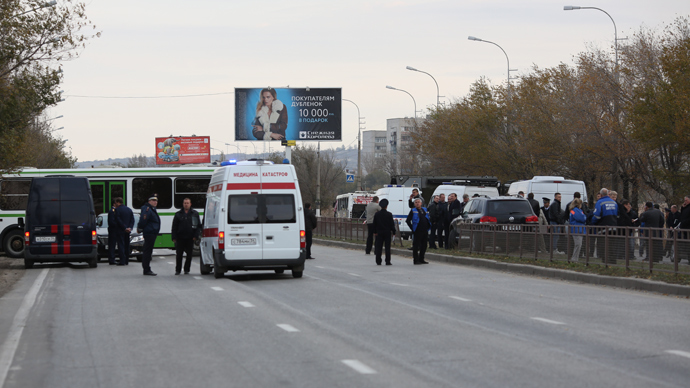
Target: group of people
[610, 214]
[186, 230]
[428, 225]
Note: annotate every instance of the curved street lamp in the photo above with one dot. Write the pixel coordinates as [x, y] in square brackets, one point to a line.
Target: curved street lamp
[413, 100]
[615, 29]
[432, 77]
[359, 145]
[504, 53]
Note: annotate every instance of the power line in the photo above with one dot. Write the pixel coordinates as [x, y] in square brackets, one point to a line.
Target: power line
[134, 97]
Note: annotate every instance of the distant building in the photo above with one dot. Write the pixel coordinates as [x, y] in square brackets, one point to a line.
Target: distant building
[399, 135]
[375, 143]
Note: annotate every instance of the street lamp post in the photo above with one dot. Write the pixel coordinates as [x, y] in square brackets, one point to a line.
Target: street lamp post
[438, 97]
[359, 145]
[413, 100]
[504, 53]
[615, 29]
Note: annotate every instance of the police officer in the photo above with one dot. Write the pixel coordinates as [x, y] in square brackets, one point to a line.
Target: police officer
[185, 231]
[125, 224]
[384, 227]
[149, 226]
[605, 214]
[419, 223]
[309, 226]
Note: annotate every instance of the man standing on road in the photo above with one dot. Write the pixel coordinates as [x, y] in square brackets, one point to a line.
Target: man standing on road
[419, 223]
[185, 231]
[442, 210]
[112, 233]
[125, 224]
[372, 208]
[309, 226]
[384, 225]
[454, 208]
[149, 226]
[433, 217]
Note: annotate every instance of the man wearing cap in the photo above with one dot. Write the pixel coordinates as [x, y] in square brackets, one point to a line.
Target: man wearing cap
[384, 228]
[652, 218]
[149, 225]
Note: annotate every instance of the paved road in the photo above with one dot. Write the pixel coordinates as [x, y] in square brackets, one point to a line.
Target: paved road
[347, 323]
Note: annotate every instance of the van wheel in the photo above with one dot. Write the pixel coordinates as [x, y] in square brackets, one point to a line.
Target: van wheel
[28, 263]
[280, 270]
[297, 274]
[14, 244]
[93, 263]
[204, 268]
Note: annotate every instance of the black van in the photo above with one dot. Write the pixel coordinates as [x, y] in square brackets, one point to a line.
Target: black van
[60, 222]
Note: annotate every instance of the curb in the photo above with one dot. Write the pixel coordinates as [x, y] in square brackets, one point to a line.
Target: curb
[526, 269]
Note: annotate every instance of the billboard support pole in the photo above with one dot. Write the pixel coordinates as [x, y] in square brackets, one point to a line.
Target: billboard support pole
[288, 154]
[318, 179]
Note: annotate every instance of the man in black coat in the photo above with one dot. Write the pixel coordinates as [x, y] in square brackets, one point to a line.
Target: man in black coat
[556, 219]
[185, 231]
[309, 226]
[433, 216]
[454, 210]
[534, 203]
[112, 233]
[441, 210]
[627, 217]
[384, 227]
[415, 195]
[653, 218]
[125, 224]
[684, 226]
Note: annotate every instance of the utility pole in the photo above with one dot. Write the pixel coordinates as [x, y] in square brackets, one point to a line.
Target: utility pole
[318, 179]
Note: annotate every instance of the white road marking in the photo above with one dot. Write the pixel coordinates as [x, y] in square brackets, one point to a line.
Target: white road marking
[217, 288]
[198, 278]
[288, 328]
[398, 284]
[9, 347]
[318, 266]
[460, 299]
[679, 353]
[547, 321]
[170, 262]
[359, 367]
[353, 274]
[245, 304]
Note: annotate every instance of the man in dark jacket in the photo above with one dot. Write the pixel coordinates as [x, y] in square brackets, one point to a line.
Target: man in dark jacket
[605, 214]
[555, 219]
[112, 233]
[149, 226]
[309, 226]
[185, 232]
[684, 226]
[653, 218]
[672, 220]
[433, 217]
[125, 224]
[415, 194]
[627, 217]
[454, 208]
[534, 203]
[384, 226]
[441, 210]
[419, 223]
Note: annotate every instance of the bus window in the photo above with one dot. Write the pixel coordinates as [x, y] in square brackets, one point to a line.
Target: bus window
[192, 188]
[14, 193]
[142, 188]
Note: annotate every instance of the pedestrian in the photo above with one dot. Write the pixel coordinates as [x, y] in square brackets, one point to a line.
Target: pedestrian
[627, 219]
[652, 218]
[534, 203]
[684, 226]
[606, 215]
[442, 210]
[577, 220]
[309, 226]
[521, 194]
[433, 217]
[545, 208]
[672, 221]
[149, 226]
[185, 232]
[415, 194]
[112, 233]
[465, 199]
[419, 222]
[454, 208]
[372, 208]
[384, 225]
[543, 227]
[556, 219]
[125, 224]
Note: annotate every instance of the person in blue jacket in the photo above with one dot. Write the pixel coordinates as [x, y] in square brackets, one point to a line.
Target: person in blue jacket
[577, 221]
[420, 224]
[149, 225]
[605, 214]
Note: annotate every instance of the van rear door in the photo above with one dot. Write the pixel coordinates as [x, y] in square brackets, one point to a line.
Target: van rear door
[243, 236]
[281, 228]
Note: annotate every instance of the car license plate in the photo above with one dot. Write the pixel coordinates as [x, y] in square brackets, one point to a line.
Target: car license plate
[45, 238]
[511, 227]
[243, 241]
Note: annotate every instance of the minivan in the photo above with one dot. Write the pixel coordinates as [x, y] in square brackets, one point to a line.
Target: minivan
[60, 222]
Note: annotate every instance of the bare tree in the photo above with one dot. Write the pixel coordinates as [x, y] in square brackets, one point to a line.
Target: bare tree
[141, 160]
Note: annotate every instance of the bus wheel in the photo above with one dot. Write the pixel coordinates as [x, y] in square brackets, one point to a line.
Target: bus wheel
[14, 244]
[28, 263]
[204, 268]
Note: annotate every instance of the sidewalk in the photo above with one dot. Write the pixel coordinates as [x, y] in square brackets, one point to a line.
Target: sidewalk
[525, 269]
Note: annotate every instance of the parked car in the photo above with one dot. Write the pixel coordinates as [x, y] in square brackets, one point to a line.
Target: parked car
[508, 214]
[136, 240]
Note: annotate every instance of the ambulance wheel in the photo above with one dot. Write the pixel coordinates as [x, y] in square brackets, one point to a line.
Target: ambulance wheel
[93, 263]
[296, 274]
[28, 263]
[280, 270]
[204, 268]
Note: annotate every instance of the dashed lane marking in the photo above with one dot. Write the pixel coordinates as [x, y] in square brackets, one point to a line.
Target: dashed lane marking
[198, 277]
[318, 266]
[398, 284]
[679, 353]
[547, 321]
[288, 328]
[217, 288]
[171, 262]
[359, 367]
[460, 299]
[245, 304]
[353, 274]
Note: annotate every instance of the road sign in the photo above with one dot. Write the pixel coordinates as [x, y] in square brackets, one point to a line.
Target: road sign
[350, 178]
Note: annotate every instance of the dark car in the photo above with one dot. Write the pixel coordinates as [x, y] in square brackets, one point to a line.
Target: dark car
[136, 240]
[505, 214]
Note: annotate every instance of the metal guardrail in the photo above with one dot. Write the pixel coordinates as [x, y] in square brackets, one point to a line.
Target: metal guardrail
[653, 249]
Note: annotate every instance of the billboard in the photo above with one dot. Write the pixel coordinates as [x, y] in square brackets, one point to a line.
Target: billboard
[183, 150]
[307, 114]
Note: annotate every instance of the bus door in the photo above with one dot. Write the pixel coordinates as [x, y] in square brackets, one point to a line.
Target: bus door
[104, 192]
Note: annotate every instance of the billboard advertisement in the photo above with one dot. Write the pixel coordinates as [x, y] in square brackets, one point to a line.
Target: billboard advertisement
[183, 150]
[306, 114]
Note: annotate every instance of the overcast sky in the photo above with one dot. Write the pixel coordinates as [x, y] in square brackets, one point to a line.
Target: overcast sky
[158, 48]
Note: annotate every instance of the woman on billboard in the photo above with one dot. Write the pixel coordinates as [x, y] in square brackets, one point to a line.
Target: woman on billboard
[271, 117]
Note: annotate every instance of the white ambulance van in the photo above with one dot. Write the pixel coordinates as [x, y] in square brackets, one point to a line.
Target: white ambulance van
[398, 197]
[547, 186]
[253, 220]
